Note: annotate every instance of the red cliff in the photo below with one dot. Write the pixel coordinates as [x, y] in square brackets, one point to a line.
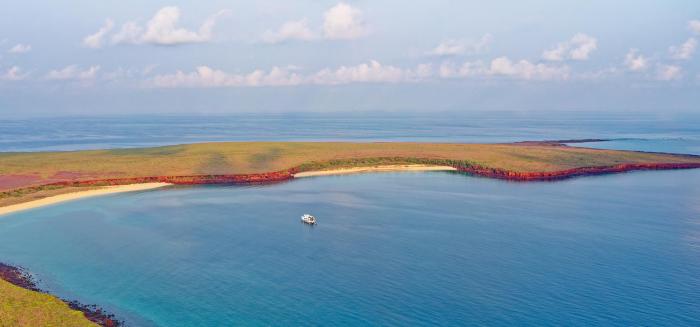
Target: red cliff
[568, 173]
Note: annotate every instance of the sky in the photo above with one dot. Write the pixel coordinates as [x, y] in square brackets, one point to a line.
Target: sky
[92, 57]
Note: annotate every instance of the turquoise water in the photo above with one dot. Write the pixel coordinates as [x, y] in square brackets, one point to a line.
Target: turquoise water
[395, 249]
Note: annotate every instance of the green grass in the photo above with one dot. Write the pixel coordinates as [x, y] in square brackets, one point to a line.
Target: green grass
[21, 307]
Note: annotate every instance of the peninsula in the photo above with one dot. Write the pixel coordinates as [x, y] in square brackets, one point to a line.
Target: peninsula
[35, 176]
[32, 179]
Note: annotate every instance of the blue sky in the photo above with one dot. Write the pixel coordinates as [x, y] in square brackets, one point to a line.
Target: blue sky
[99, 57]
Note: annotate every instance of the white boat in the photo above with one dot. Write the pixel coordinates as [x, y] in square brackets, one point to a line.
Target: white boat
[308, 219]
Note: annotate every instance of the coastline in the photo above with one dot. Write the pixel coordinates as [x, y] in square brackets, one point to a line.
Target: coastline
[119, 185]
[92, 314]
[382, 168]
[79, 195]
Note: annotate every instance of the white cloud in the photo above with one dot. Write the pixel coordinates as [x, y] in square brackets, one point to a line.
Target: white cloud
[459, 47]
[343, 21]
[73, 72]
[20, 48]
[505, 67]
[467, 69]
[372, 72]
[668, 72]
[579, 47]
[694, 25]
[293, 30]
[13, 74]
[96, 40]
[556, 54]
[208, 77]
[524, 69]
[161, 29]
[635, 61]
[129, 33]
[684, 51]
[449, 48]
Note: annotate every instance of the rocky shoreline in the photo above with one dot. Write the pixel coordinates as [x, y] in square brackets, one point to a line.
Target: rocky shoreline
[271, 177]
[286, 175]
[95, 314]
[570, 173]
[19, 277]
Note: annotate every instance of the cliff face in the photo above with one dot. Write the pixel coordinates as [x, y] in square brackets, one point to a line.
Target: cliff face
[563, 174]
[471, 169]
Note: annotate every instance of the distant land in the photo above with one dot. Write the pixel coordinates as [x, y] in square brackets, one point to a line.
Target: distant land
[28, 176]
[31, 179]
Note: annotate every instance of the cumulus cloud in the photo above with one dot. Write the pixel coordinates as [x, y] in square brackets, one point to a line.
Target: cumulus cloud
[505, 67]
[13, 74]
[205, 76]
[635, 61]
[579, 47]
[694, 25]
[455, 47]
[340, 22]
[371, 72]
[20, 48]
[130, 32]
[343, 21]
[161, 29]
[293, 30]
[684, 51]
[668, 72]
[524, 69]
[96, 40]
[467, 69]
[73, 72]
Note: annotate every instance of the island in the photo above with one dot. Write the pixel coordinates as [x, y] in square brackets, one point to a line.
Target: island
[31, 179]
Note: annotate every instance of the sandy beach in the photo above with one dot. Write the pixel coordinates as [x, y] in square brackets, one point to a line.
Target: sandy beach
[358, 170]
[79, 195]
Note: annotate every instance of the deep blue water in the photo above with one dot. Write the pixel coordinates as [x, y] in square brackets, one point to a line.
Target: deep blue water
[391, 249]
[634, 131]
[394, 249]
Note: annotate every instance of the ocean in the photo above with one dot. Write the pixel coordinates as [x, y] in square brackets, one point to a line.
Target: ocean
[390, 249]
[639, 131]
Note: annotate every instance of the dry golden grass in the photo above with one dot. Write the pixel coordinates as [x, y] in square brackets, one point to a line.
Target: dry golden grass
[21, 307]
[256, 157]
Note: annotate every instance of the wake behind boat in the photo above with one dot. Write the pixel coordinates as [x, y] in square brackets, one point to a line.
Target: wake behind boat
[308, 219]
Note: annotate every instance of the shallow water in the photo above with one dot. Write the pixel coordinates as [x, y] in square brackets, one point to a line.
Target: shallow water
[407, 249]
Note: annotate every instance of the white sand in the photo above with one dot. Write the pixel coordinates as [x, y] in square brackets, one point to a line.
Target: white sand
[79, 195]
[357, 170]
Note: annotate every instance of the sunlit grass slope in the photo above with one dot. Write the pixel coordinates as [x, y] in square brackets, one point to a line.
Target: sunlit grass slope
[31, 169]
[21, 307]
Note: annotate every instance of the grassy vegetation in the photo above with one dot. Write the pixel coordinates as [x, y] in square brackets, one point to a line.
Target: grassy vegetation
[21, 307]
[256, 157]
